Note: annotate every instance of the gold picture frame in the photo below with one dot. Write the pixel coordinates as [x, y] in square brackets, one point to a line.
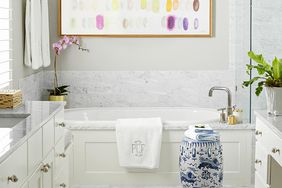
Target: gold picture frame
[147, 35]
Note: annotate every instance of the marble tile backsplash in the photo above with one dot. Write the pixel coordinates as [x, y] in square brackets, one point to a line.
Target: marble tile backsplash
[32, 86]
[144, 88]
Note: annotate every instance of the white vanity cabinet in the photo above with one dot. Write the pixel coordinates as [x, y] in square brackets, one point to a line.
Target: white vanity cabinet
[36, 179]
[40, 160]
[13, 171]
[47, 169]
[268, 149]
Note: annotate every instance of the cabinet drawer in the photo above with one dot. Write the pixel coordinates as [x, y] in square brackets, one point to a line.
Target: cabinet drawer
[48, 137]
[47, 170]
[62, 180]
[259, 182]
[59, 125]
[270, 141]
[60, 157]
[15, 165]
[261, 162]
[34, 151]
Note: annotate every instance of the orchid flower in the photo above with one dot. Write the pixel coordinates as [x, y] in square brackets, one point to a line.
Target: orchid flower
[59, 46]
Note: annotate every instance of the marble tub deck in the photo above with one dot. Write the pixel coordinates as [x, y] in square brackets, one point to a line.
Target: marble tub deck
[116, 186]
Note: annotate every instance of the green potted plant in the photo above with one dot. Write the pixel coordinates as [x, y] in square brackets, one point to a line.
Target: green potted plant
[269, 76]
[58, 93]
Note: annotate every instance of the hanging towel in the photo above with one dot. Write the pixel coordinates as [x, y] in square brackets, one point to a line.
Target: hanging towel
[45, 35]
[35, 31]
[37, 46]
[27, 54]
[139, 142]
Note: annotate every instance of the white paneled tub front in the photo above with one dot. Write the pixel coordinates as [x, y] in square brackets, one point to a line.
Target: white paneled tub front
[95, 150]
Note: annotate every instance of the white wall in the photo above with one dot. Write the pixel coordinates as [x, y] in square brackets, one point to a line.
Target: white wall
[120, 54]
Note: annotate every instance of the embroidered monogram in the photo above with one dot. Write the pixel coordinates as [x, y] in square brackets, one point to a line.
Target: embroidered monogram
[137, 148]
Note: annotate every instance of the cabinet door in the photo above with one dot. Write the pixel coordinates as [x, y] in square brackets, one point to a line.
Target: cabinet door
[34, 151]
[13, 171]
[36, 180]
[59, 126]
[48, 137]
[47, 170]
[25, 185]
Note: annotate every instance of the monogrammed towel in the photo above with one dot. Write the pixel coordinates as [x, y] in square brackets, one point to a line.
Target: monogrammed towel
[139, 142]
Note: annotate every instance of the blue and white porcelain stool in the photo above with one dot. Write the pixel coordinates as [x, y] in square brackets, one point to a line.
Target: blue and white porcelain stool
[201, 163]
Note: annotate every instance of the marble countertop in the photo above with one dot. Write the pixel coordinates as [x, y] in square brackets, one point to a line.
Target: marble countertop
[168, 125]
[273, 122]
[35, 113]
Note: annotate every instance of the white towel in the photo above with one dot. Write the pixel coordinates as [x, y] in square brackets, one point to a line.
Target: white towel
[35, 31]
[27, 54]
[139, 142]
[37, 46]
[201, 133]
[201, 128]
[45, 35]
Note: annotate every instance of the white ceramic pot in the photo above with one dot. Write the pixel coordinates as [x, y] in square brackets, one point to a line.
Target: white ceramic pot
[274, 100]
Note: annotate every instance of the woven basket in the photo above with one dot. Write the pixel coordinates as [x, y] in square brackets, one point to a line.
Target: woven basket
[10, 98]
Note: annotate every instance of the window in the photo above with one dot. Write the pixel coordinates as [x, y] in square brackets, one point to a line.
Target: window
[5, 43]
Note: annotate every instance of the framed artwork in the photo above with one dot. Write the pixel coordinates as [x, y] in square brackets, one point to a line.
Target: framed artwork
[136, 18]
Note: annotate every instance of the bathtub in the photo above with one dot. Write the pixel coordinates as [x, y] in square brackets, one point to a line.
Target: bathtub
[95, 151]
[106, 117]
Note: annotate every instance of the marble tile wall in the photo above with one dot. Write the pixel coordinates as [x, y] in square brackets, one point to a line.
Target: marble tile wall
[32, 86]
[144, 88]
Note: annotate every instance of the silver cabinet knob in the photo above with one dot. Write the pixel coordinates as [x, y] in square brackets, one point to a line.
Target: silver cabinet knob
[45, 168]
[258, 133]
[257, 161]
[276, 150]
[62, 124]
[13, 178]
[62, 155]
[63, 185]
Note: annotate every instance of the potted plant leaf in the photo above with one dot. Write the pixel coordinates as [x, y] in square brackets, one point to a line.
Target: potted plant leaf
[269, 76]
[58, 93]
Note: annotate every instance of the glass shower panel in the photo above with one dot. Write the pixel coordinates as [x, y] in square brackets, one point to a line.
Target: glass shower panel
[267, 39]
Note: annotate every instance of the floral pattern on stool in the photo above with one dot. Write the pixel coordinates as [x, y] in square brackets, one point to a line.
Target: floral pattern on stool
[200, 164]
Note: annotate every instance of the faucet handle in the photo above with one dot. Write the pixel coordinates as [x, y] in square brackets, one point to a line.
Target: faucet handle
[221, 109]
[222, 117]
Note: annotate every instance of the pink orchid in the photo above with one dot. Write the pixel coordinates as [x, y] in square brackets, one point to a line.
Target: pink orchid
[57, 48]
[75, 40]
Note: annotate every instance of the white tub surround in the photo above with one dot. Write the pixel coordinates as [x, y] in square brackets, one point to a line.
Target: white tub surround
[95, 148]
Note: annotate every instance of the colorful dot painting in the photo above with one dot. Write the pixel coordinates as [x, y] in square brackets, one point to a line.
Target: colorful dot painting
[157, 17]
[170, 22]
[168, 5]
[99, 22]
[185, 24]
[196, 5]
